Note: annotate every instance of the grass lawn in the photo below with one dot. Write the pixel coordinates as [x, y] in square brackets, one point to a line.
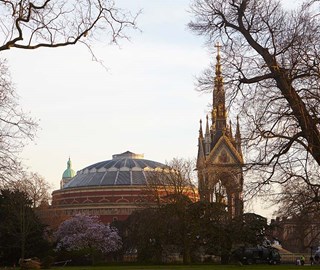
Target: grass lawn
[190, 267]
[184, 267]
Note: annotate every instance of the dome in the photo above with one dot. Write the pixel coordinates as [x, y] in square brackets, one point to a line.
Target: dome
[69, 172]
[123, 169]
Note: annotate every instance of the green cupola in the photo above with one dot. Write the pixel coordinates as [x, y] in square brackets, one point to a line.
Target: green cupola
[69, 172]
[67, 175]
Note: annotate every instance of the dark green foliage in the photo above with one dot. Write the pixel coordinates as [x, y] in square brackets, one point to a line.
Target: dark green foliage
[21, 232]
[189, 229]
[211, 228]
[249, 229]
[156, 231]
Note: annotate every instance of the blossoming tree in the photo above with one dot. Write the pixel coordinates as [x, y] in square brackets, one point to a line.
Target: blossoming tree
[87, 233]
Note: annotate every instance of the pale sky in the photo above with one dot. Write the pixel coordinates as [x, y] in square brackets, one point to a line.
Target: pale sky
[145, 103]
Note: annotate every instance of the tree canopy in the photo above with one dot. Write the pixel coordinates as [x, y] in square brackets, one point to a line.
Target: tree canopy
[191, 229]
[87, 233]
[35, 186]
[175, 180]
[21, 232]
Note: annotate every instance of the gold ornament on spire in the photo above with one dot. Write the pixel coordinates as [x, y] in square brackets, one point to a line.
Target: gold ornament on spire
[218, 65]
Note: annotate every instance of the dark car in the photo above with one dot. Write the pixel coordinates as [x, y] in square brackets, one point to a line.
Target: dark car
[258, 254]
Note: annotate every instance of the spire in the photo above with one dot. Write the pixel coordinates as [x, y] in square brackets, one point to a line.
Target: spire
[207, 126]
[219, 110]
[207, 139]
[230, 130]
[200, 130]
[201, 153]
[69, 163]
[238, 137]
[218, 65]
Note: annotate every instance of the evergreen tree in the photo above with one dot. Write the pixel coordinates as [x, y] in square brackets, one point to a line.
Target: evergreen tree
[21, 233]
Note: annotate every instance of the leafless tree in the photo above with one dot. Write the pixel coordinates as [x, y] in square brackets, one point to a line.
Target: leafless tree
[27, 24]
[16, 128]
[298, 198]
[35, 186]
[298, 215]
[175, 180]
[271, 66]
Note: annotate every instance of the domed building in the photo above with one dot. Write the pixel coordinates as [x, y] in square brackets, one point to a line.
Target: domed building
[111, 189]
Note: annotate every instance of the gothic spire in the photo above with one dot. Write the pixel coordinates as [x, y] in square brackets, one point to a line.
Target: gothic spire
[218, 65]
[201, 152]
[238, 137]
[219, 110]
[207, 139]
[207, 126]
[200, 130]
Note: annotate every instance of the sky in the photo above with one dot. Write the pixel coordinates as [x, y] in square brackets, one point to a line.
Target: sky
[145, 101]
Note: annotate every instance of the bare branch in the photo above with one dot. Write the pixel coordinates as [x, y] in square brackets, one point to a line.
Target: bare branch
[53, 24]
[271, 70]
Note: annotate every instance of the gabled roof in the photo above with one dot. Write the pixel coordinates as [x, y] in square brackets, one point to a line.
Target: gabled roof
[224, 143]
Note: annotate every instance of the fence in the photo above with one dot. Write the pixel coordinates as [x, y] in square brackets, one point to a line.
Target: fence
[293, 257]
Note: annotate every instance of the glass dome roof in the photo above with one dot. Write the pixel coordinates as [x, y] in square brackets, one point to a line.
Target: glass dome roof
[123, 169]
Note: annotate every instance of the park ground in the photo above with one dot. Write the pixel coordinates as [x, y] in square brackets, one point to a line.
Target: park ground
[184, 267]
[196, 267]
[191, 267]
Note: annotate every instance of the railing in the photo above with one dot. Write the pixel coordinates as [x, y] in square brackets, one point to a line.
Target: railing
[294, 257]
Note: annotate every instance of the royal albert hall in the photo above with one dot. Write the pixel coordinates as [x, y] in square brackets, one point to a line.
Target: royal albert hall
[110, 189]
[113, 189]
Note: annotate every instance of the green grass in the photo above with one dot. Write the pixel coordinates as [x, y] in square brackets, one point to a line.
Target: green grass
[184, 267]
[190, 267]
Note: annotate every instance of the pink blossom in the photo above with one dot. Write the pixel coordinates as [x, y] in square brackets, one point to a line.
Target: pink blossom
[87, 232]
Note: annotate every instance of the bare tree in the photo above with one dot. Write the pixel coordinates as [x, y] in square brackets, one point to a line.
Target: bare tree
[27, 24]
[173, 182]
[16, 128]
[271, 60]
[35, 186]
[298, 198]
[298, 215]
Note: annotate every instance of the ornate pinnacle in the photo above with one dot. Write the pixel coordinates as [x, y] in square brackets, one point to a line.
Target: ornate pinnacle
[218, 65]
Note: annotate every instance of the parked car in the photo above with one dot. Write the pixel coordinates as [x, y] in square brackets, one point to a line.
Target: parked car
[258, 254]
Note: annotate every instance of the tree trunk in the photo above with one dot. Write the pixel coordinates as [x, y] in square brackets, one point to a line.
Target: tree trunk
[186, 251]
[23, 230]
[308, 125]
